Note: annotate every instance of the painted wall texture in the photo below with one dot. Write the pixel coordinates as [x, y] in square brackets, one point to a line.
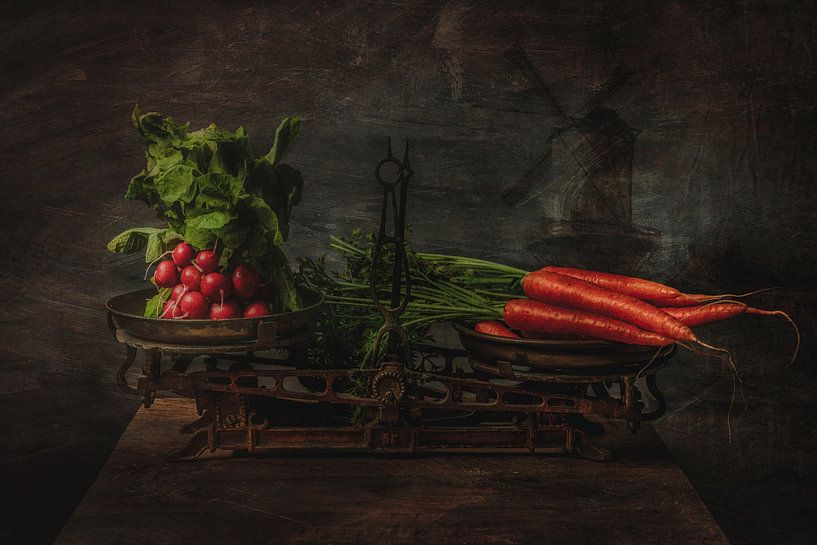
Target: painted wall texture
[676, 140]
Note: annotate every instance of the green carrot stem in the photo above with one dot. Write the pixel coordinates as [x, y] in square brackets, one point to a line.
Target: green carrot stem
[352, 284]
[503, 295]
[339, 243]
[485, 279]
[346, 249]
[360, 302]
[448, 296]
[451, 316]
[465, 295]
[461, 260]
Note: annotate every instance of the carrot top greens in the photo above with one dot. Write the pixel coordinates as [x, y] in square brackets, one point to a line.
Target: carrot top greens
[443, 288]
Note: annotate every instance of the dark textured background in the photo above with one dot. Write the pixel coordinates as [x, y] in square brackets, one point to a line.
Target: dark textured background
[723, 179]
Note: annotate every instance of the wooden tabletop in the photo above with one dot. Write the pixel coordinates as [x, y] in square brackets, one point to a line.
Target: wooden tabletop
[640, 498]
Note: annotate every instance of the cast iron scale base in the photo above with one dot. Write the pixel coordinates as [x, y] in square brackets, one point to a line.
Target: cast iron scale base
[434, 404]
[255, 393]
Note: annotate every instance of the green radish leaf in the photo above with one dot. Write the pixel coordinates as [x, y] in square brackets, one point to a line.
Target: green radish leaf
[284, 194]
[153, 240]
[280, 186]
[234, 234]
[209, 220]
[267, 220]
[154, 248]
[162, 158]
[155, 128]
[226, 256]
[207, 200]
[177, 184]
[230, 158]
[141, 188]
[284, 137]
[212, 134]
[149, 125]
[221, 162]
[154, 305]
[197, 238]
[221, 185]
[159, 242]
[292, 185]
[281, 276]
[132, 240]
[287, 293]
[168, 237]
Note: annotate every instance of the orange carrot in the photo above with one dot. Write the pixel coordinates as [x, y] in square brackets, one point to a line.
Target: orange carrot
[495, 328]
[693, 299]
[706, 314]
[543, 335]
[721, 310]
[684, 300]
[628, 285]
[569, 292]
[528, 315]
[655, 293]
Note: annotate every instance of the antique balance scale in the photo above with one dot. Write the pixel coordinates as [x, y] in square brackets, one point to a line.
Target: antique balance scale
[255, 392]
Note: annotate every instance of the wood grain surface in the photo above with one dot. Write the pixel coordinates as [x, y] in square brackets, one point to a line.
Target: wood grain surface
[717, 99]
[643, 497]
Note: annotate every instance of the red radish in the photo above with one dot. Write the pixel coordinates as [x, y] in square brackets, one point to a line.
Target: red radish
[215, 285]
[191, 277]
[183, 254]
[194, 305]
[166, 275]
[223, 311]
[171, 309]
[256, 309]
[207, 260]
[572, 293]
[246, 281]
[178, 291]
[628, 285]
[706, 314]
[167, 309]
[494, 328]
[528, 315]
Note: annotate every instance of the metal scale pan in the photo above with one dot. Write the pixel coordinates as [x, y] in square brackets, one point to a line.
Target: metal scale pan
[570, 356]
[125, 313]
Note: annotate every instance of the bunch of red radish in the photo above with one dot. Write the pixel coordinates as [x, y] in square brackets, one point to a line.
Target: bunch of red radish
[201, 291]
[613, 307]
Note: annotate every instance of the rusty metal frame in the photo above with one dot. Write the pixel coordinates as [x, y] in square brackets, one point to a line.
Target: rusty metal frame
[398, 424]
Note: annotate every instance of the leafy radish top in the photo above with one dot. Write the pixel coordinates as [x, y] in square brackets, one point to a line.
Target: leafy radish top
[212, 190]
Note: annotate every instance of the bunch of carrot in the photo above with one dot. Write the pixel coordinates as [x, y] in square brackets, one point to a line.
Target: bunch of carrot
[613, 307]
[559, 300]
